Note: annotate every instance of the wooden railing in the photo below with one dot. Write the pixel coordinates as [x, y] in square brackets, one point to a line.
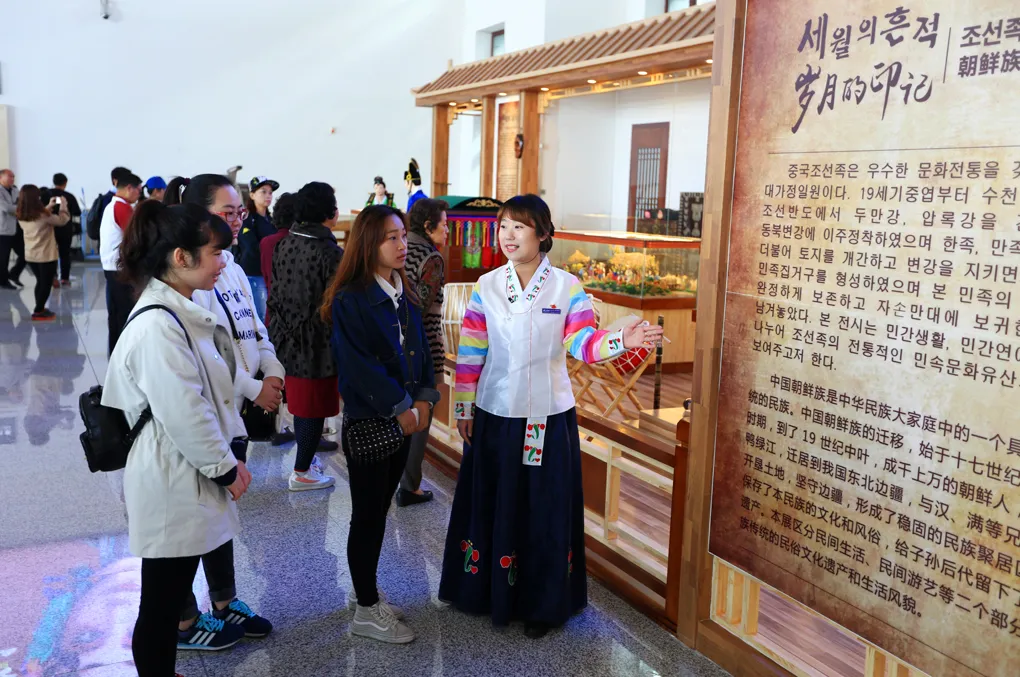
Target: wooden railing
[738, 601]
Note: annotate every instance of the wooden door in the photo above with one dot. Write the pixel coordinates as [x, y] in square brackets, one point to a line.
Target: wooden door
[649, 158]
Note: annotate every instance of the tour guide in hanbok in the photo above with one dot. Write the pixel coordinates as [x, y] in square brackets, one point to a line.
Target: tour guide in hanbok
[515, 545]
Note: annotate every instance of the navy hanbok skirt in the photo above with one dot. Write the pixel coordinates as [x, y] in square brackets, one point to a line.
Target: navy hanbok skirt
[515, 545]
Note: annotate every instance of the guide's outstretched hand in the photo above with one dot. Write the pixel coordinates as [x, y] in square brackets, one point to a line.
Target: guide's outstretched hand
[641, 334]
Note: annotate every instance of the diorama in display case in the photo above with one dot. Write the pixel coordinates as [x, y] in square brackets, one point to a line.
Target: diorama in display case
[638, 274]
[637, 265]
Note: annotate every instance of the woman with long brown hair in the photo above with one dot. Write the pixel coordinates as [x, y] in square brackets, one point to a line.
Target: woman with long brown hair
[388, 387]
[38, 220]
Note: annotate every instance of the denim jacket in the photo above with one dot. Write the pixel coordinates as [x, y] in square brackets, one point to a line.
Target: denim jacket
[378, 377]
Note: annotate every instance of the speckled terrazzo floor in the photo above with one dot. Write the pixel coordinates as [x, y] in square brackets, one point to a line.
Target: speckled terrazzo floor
[69, 588]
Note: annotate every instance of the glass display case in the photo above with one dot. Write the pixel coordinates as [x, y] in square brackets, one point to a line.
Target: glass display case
[631, 269]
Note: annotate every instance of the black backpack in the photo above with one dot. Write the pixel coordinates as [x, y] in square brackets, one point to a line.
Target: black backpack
[107, 438]
[94, 220]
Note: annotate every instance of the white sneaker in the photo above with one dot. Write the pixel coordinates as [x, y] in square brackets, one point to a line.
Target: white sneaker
[352, 600]
[376, 622]
[307, 481]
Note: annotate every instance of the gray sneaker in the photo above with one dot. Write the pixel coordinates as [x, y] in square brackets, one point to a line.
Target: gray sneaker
[377, 622]
[308, 481]
[352, 600]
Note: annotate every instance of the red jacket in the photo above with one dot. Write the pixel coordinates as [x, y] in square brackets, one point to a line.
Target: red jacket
[266, 247]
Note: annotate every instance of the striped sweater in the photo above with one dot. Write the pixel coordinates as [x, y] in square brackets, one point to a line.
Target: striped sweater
[426, 271]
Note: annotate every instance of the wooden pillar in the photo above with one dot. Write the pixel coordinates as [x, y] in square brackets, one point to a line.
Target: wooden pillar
[485, 187]
[531, 128]
[695, 603]
[440, 151]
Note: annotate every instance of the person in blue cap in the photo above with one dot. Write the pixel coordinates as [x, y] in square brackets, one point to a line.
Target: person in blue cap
[155, 188]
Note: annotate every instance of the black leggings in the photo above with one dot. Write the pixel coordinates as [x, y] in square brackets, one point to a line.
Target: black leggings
[372, 486]
[44, 274]
[65, 236]
[165, 582]
[308, 432]
[119, 302]
[219, 574]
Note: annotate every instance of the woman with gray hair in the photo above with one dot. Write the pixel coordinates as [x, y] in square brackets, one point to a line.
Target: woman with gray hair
[426, 271]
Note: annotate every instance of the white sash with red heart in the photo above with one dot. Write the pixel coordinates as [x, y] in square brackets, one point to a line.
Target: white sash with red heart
[534, 440]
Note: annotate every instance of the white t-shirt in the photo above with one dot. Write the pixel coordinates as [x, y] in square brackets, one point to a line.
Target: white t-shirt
[111, 234]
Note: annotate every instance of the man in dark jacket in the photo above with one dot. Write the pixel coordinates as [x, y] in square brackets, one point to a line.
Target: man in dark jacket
[65, 236]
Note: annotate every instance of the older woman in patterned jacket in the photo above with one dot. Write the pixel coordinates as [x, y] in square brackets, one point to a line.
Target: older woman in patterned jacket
[426, 271]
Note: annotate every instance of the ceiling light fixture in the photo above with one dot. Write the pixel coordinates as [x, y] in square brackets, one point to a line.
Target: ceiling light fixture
[592, 82]
[545, 89]
[642, 72]
[708, 60]
[474, 100]
[453, 103]
[502, 93]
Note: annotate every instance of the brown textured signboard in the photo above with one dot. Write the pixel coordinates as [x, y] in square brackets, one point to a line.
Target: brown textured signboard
[506, 161]
[868, 446]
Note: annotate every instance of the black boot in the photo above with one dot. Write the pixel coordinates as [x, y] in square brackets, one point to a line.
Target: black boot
[535, 630]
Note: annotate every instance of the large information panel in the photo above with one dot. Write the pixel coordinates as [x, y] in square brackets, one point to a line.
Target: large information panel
[868, 447]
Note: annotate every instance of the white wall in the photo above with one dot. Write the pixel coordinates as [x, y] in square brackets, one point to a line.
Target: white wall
[587, 143]
[685, 106]
[197, 86]
[563, 20]
[577, 159]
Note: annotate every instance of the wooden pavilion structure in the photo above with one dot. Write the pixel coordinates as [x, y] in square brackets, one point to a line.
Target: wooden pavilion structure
[671, 47]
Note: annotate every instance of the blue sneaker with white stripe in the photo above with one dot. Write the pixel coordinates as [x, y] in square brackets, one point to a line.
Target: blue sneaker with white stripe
[240, 614]
[209, 634]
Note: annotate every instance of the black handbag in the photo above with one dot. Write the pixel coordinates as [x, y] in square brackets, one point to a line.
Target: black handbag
[371, 440]
[258, 423]
[107, 439]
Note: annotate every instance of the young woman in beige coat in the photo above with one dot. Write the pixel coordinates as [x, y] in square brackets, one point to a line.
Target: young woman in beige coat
[181, 478]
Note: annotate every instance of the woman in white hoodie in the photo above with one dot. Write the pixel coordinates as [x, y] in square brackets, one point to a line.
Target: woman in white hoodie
[181, 478]
[253, 353]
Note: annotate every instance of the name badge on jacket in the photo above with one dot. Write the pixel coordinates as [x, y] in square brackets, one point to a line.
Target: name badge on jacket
[534, 440]
[551, 310]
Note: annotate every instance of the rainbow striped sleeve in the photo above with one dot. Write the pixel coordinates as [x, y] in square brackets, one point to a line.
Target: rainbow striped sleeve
[580, 336]
[474, 346]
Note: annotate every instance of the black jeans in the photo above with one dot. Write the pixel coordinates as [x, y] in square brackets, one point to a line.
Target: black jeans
[44, 273]
[64, 237]
[154, 643]
[219, 574]
[308, 432]
[119, 302]
[372, 486]
[12, 243]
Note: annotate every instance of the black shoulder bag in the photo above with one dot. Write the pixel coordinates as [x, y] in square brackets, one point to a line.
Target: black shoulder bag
[107, 439]
[258, 423]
